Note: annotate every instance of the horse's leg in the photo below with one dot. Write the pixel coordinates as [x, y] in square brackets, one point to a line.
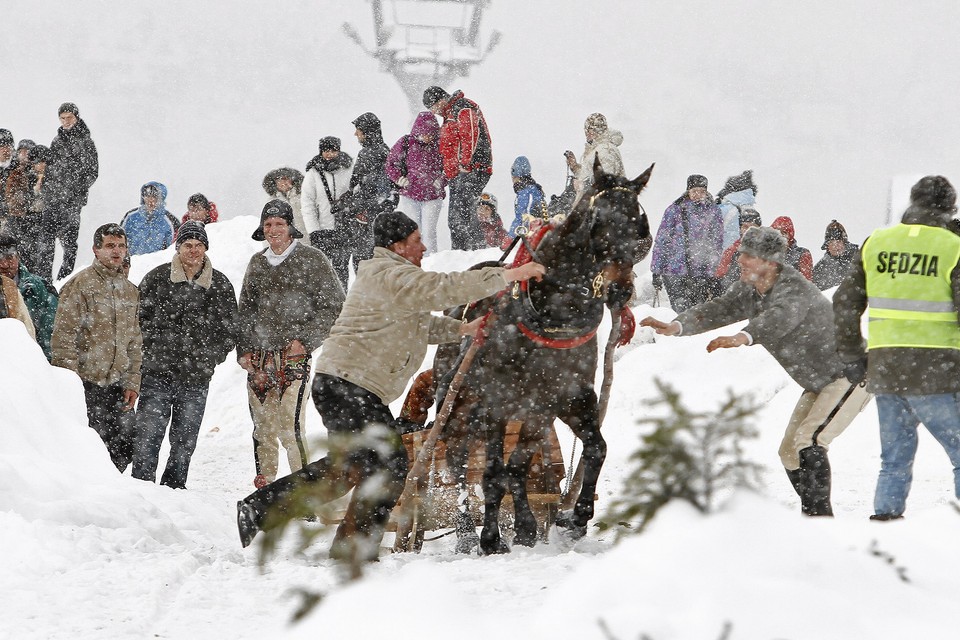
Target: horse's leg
[518, 467]
[584, 420]
[494, 480]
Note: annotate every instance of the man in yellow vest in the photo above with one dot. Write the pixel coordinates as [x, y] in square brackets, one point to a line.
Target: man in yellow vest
[909, 276]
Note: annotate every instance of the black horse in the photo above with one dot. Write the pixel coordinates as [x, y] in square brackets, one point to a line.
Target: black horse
[539, 361]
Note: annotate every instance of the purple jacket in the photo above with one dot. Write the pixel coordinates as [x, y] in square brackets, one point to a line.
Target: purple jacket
[700, 245]
[423, 163]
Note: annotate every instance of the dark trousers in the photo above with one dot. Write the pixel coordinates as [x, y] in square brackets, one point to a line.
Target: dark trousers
[63, 224]
[342, 248]
[689, 291]
[106, 416]
[465, 190]
[32, 243]
[365, 453]
[165, 401]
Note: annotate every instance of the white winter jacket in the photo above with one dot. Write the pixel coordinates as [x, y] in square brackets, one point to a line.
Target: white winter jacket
[604, 146]
[314, 204]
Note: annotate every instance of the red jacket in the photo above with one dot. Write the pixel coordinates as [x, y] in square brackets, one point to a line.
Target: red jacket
[726, 260]
[212, 215]
[464, 138]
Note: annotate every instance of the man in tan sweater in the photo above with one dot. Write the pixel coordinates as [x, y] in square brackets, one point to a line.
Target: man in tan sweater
[375, 347]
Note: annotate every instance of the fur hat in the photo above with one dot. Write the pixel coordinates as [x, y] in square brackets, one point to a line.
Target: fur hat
[6, 138]
[934, 192]
[38, 153]
[835, 231]
[192, 230]
[433, 95]
[367, 123]
[521, 167]
[26, 143]
[68, 107]
[764, 243]
[748, 214]
[329, 143]
[489, 200]
[696, 180]
[276, 209]
[392, 226]
[596, 122]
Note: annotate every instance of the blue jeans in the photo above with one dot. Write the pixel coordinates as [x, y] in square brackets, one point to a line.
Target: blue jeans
[899, 418]
[159, 398]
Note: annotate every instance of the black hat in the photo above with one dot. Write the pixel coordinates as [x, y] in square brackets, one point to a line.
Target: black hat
[367, 122]
[8, 244]
[696, 180]
[934, 192]
[329, 143]
[392, 226]
[6, 138]
[38, 153]
[433, 95]
[68, 107]
[748, 214]
[192, 230]
[150, 190]
[26, 143]
[764, 243]
[200, 199]
[835, 231]
[276, 209]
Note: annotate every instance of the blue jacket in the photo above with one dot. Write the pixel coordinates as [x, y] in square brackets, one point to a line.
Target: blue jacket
[149, 231]
[529, 202]
[730, 208]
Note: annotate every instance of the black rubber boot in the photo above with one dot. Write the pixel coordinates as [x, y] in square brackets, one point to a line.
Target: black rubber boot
[816, 467]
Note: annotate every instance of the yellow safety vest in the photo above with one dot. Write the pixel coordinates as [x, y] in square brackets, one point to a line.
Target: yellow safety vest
[908, 269]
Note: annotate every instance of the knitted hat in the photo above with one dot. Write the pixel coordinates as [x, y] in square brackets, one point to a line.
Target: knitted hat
[26, 143]
[392, 226]
[6, 138]
[433, 95]
[521, 167]
[367, 123]
[696, 180]
[764, 243]
[488, 199]
[749, 215]
[835, 231]
[38, 153]
[68, 107]
[200, 199]
[934, 192]
[596, 122]
[8, 245]
[329, 143]
[192, 230]
[276, 209]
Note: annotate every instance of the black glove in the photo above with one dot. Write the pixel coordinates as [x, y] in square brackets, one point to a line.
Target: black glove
[657, 281]
[855, 371]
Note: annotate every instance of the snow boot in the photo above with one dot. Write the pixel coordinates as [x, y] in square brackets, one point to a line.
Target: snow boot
[816, 467]
[467, 538]
[246, 523]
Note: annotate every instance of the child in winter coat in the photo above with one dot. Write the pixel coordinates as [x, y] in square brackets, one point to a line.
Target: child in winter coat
[150, 227]
[416, 166]
[494, 235]
[738, 194]
[200, 209]
[530, 205]
[797, 257]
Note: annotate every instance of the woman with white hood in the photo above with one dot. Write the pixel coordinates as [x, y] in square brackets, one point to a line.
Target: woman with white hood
[602, 143]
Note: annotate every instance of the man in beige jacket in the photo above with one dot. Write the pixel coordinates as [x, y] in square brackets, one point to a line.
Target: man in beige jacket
[97, 335]
[375, 347]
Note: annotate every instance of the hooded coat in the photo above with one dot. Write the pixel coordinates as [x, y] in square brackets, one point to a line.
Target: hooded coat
[75, 155]
[41, 302]
[797, 257]
[604, 146]
[420, 162]
[831, 269]
[149, 231]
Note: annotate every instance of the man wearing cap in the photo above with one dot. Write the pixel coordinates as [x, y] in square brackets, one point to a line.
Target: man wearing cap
[188, 319]
[96, 334]
[289, 300]
[728, 270]
[39, 298]
[324, 206]
[839, 254]
[793, 321]
[909, 277]
[75, 156]
[467, 152]
[377, 344]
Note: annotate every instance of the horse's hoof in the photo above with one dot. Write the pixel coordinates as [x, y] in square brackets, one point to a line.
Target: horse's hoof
[493, 546]
[570, 526]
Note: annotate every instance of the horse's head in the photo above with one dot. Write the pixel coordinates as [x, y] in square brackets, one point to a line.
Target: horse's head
[619, 230]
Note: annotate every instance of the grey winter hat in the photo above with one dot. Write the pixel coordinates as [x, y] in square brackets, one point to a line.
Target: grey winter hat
[276, 209]
[6, 138]
[192, 230]
[26, 143]
[68, 107]
[696, 180]
[38, 153]
[750, 215]
[433, 95]
[764, 243]
[392, 226]
[934, 192]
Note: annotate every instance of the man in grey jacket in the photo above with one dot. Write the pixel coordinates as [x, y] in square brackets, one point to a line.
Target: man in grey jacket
[375, 347]
[793, 321]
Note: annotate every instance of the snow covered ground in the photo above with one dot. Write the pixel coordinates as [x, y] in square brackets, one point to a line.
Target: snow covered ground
[91, 554]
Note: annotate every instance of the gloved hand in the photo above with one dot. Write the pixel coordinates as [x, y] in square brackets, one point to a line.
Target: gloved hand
[260, 481]
[628, 325]
[438, 184]
[856, 371]
[403, 182]
[657, 281]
